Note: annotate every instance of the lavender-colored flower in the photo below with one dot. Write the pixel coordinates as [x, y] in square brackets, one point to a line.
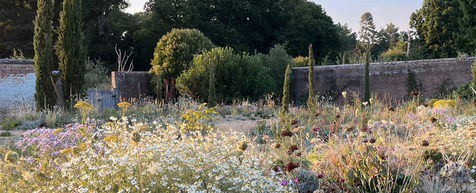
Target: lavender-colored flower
[284, 183]
[29, 159]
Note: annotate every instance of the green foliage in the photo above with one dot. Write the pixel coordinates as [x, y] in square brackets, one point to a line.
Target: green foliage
[466, 39]
[96, 76]
[300, 61]
[473, 73]
[435, 23]
[287, 80]
[411, 82]
[367, 77]
[70, 51]
[310, 101]
[45, 95]
[175, 51]
[5, 134]
[465, 91]
[17, 28]
[276, 62]
[367, 29]
[309, 23]
[237, 76]
[212, 96]
[10, 123]
[347, 38]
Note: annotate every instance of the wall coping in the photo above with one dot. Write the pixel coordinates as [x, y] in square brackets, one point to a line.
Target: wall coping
[15, 61]
[386, 63]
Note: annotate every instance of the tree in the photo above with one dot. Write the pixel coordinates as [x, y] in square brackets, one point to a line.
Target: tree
[212, 97]
[16, 27]
[347, 38]
[436, 23]
[287, 81]
[466, 40]
[276, 61]
[237, 76]
[45, 96]
[175, 51]
[367, 77]
[394, 36]
[310, 100]
[70, 51]
[367, 29]
[309, 23]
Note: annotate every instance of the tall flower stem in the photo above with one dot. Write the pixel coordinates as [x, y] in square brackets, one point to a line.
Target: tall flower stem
[140, 171]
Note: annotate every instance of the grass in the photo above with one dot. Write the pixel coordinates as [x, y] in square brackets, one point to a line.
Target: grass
[381, 146]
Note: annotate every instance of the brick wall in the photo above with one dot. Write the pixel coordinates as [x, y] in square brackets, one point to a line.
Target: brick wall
[389, 77]
[17, 83]
[129, 86]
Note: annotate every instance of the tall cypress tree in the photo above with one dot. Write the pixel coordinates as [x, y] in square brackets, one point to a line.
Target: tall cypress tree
[70, 51]
[287, 80]
[367, 77]
[310, 104]
[45, 96]
[211, 87]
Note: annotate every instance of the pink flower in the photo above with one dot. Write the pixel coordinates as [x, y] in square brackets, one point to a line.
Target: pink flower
[296, 180]
[315, 128]
[284, 183]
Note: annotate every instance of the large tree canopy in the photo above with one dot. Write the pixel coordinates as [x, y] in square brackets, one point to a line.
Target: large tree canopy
[309, 23]
[435, 23]
[466, 40]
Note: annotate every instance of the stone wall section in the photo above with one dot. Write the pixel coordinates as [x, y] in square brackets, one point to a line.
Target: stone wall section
[130, 86]
[17, 83]
[389, 77]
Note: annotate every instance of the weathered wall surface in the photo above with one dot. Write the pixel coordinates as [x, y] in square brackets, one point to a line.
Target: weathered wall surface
[130, 86]
[17, 83]
[389, 77]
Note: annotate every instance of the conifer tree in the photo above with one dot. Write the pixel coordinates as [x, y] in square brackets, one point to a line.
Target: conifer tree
[367, 77]
[310, 104]
[45, 96]
[287, 80]
[70, 51]
[211, 87]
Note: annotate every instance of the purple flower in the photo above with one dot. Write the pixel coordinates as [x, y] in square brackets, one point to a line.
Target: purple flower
[29, 159]
[284, 183]
[296, 180]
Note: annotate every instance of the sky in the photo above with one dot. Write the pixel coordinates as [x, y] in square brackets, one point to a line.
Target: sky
[349, 11]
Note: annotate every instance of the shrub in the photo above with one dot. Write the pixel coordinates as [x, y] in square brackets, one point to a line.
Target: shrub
[300, 61]
[5, 134]
[237, 76]
[96, 76]
[175, 51]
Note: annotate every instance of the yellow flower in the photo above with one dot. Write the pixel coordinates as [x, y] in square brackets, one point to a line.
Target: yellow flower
[110, 139]
[344, 94]
[124, 105]
[83, 105]
[67, 151]
[443, 104]
[57, 131]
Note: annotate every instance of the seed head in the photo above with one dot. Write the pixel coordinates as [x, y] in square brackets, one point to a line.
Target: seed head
[372, 140]
[349, 129]
[242, 145]
[286, 133]
[11, 157]
[391, 109]
[433, 119]
[135, 136]
[294, 122]
[276, 145]
[425, 143]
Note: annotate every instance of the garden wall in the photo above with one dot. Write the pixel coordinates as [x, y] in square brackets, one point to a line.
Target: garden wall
[17, 83]
[432, 77]
[130, 86]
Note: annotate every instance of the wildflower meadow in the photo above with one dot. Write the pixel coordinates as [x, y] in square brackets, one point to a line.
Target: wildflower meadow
[380, 146]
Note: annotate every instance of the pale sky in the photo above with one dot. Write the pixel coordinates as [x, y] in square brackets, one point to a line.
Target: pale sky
[349, 11]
